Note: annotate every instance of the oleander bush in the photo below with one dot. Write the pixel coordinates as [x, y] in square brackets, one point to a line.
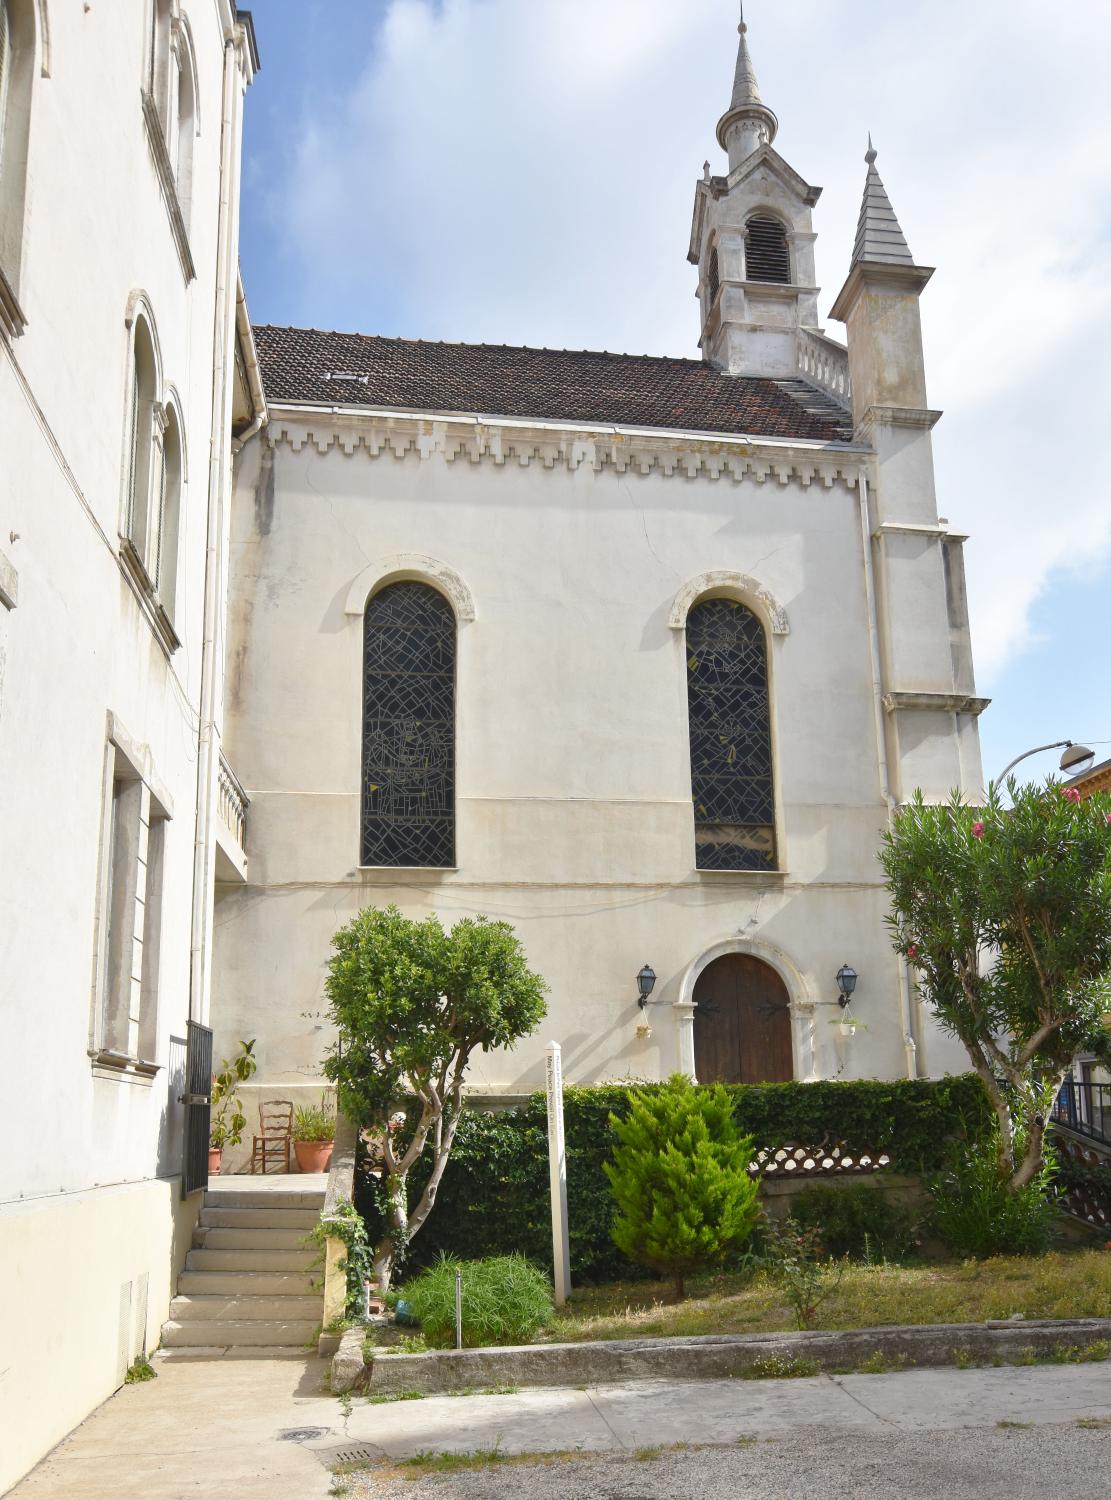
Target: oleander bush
[505, 1300]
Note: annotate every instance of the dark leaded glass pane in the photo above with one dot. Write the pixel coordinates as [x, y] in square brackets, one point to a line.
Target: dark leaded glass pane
[409, 728]
[730, 728]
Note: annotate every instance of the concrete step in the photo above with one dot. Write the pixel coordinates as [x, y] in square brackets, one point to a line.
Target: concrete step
[250, 1239]
[245, 1283]
[259, 1199]
[263, 1217]
[244, 1333]
[212, 1309]
[251, 1260]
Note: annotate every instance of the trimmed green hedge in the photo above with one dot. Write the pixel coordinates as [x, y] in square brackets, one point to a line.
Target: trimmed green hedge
[494, 1196]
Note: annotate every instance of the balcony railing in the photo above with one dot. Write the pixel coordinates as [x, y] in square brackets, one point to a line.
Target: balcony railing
[826, 364]
[232, 803]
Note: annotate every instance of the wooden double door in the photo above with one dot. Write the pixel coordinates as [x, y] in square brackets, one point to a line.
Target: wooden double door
[742, 1024]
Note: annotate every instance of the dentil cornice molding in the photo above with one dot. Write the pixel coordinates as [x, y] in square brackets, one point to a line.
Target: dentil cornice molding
[622, 451]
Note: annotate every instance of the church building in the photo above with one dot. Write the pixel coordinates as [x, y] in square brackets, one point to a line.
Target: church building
[637, 654]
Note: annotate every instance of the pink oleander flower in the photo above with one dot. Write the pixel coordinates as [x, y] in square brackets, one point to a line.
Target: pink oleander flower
[912, 951]
[1107, 819]
[977, 830]
[1072, 794]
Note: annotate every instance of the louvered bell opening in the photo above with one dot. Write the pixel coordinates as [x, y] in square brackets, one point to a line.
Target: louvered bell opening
[714, 276]
[767, 256]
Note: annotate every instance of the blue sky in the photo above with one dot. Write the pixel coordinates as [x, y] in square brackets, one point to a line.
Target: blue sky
[522, 171]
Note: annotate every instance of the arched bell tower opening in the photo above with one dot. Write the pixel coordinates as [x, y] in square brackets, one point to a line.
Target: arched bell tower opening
[742, 1023]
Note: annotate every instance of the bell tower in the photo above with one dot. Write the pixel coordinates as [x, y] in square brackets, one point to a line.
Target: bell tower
[753, 242]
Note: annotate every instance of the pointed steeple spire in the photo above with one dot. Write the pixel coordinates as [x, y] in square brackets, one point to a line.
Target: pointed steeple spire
[746, 90]
[878, 235]
[748, 123]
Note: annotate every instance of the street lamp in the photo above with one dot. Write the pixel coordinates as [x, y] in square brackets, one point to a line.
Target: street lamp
[1077, 758]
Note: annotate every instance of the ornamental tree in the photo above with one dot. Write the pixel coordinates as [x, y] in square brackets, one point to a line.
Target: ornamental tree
[680, 1179]
[411, 1004]
[1005, 916]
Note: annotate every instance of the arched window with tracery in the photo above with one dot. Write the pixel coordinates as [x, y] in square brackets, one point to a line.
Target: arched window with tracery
[730, 737]
[408, 759]
[767, 253]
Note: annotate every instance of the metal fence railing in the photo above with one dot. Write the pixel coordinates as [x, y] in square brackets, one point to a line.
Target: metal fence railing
[1085, 1108]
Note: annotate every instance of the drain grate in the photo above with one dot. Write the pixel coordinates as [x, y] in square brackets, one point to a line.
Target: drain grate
[356, 1455]
[302, 1434]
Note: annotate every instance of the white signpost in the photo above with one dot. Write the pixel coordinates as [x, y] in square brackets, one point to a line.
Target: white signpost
[557, 1165]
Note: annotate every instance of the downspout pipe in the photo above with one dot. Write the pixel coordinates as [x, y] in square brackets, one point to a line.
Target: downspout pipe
[218, 467]
[910, 1046]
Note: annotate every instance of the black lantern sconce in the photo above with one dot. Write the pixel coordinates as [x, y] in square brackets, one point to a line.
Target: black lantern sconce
[646, 983]
[846, 984]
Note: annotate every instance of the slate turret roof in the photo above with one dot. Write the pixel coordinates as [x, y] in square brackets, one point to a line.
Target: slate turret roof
[304, 366]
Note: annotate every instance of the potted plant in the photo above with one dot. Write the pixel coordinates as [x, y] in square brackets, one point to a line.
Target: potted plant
[314, 1134]
[228, 1122]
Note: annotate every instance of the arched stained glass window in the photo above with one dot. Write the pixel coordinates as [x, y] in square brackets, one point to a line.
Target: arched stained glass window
[730, 730]
[408, 815]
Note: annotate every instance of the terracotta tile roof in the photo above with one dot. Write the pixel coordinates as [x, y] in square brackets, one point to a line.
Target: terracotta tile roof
[304, 365]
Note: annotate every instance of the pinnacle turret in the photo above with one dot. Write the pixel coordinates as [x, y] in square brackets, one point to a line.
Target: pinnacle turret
[878, 233]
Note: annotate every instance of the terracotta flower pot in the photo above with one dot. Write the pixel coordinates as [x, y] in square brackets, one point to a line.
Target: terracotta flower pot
[313, 1156]
[215, 1154]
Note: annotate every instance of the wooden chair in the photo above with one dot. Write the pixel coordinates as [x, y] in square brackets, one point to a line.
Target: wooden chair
[275, 1120]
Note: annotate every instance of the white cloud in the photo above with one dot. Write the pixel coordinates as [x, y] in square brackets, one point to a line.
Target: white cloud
[514, 172]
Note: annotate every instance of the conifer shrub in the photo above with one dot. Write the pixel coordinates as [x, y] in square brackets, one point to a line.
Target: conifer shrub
[679, 1178]
[505, 1300]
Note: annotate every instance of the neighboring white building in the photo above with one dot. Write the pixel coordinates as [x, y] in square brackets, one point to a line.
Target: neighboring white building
[119, 183]
[637, 654]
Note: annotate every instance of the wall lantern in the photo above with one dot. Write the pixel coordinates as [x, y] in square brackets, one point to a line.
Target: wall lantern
[646, 983]
[846, 984]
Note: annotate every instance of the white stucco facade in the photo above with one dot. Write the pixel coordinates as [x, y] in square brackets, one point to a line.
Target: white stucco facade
[115, 164]
[571, 554]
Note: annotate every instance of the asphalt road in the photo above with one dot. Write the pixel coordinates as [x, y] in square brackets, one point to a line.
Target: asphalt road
[818, 1463]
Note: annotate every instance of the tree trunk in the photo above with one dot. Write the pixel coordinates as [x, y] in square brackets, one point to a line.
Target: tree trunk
[394, 1185]
[680, 1286]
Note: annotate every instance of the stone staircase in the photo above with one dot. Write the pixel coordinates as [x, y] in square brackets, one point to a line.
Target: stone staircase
[247, 1281]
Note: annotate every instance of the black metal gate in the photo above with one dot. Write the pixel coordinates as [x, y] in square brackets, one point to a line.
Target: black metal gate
[198, 1108]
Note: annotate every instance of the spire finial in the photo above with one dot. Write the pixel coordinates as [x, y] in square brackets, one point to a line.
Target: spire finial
[871, 154]
[743, 28]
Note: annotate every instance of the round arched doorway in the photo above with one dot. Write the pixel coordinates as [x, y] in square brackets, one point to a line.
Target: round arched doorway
[742, 1023]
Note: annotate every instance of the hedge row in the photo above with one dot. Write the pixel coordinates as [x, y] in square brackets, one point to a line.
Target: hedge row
[494, 1195]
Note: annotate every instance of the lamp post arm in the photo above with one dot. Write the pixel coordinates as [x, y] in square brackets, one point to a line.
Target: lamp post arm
[1026, 754]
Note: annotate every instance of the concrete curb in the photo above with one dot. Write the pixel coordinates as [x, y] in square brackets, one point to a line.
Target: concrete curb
[722, 1356]
[348, 1365]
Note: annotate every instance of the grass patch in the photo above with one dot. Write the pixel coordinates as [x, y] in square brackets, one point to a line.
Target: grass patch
[387, 1398]
[1062, 1284]
[1023, 1426]
[782, 1367]
[486, 1390]
[880, 1363]
[140, 1370]
[1094, 1424]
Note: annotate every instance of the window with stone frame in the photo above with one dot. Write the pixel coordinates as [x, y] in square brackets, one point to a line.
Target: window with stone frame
[129, 926]
[155, 474]
[729, 711]
[408, 748]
